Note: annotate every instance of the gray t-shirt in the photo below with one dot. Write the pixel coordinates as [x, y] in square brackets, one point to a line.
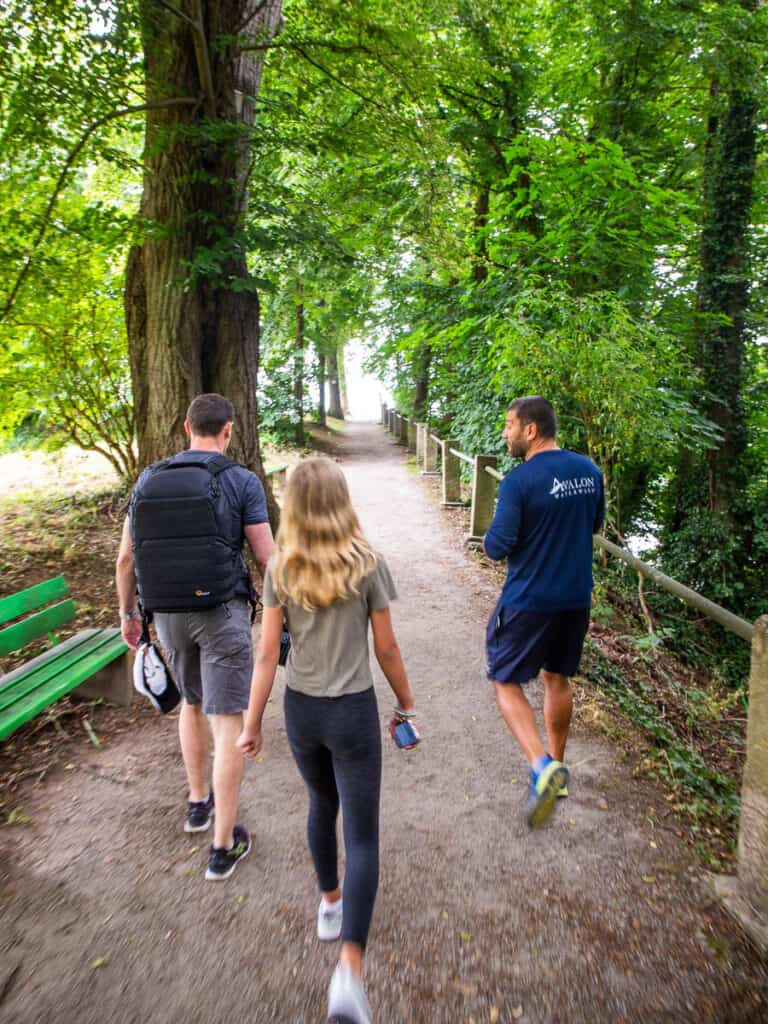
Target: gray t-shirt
[329, 648]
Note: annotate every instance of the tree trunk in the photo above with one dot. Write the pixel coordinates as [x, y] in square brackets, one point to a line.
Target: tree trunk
[421, 391]
[480, 258]
[192, 313]
[723, 290]
[321, 387]
[298, 377]
[342, 373]
[334, 388]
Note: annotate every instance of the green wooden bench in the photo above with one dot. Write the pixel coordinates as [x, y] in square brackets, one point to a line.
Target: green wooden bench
[93, 661]
[280, 473]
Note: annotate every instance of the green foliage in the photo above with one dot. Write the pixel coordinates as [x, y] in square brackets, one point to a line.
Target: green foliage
[703, 793]
[499, 198]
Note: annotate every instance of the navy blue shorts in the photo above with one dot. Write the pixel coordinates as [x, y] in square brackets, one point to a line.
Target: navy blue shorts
[520, 644]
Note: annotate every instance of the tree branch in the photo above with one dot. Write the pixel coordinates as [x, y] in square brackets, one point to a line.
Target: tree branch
[177, 12]
[335, 78]
[61, 181]
[203, 59]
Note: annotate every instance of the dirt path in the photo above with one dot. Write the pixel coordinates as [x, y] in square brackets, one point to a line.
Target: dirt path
[105, 916]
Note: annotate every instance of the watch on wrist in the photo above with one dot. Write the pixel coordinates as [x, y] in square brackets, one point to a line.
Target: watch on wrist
[127, 616]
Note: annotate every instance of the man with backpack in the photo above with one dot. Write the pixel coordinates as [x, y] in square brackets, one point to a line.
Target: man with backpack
[181, 554]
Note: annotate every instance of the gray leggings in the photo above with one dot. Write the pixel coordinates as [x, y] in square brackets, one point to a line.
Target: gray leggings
[336, 743]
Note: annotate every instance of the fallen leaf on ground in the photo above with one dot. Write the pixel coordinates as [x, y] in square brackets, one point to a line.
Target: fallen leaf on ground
[517, 1013]
[100, 961]
[17, 817]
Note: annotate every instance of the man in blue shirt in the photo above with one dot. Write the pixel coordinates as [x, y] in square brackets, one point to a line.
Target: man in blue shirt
[548, 509]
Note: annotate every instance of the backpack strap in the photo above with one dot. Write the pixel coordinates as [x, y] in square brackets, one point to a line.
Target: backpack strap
[215, 465]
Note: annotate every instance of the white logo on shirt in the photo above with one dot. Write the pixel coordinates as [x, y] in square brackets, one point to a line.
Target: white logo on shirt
[571, 488]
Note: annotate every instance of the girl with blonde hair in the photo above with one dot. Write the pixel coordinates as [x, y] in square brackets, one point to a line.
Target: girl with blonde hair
[328, 584]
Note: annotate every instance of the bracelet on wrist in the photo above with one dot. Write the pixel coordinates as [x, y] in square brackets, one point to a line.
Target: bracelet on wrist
[128, 616]
[404, 714]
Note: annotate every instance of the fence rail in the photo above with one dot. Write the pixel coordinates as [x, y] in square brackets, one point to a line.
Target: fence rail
[465, 458]
[747, 895]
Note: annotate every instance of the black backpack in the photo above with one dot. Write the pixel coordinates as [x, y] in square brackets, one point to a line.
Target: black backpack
[183, 554]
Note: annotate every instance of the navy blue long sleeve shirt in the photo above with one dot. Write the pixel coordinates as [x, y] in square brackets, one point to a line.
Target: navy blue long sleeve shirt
[547, 511]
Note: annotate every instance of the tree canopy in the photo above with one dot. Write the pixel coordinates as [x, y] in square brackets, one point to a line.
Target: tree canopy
[498, 198]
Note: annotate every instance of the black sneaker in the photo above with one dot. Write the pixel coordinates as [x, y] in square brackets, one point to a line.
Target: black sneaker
[199, 815]
[221, 863]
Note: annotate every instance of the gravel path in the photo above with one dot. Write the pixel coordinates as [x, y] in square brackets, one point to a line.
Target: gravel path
[105, 916]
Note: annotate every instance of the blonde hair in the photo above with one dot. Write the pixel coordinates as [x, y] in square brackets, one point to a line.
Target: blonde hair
[321, 553]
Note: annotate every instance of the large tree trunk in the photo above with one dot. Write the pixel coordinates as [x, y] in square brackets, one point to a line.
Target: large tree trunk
[723, 290]
[191, 312]
[334, 387]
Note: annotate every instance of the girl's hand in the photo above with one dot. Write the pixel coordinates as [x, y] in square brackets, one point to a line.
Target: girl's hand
[249, 741]
[400, 716]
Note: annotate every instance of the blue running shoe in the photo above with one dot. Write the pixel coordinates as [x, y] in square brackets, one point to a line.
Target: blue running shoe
[544, 791]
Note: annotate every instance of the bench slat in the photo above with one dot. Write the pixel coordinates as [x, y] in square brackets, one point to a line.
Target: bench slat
[55, 662]
[20, 633]
[14, 605]
[32, 703]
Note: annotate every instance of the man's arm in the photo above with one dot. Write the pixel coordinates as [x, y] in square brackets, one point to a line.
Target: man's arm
[259, 537]
[125, 578]
[501, 539]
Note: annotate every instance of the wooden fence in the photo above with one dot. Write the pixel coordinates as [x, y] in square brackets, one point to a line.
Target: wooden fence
[746, 895]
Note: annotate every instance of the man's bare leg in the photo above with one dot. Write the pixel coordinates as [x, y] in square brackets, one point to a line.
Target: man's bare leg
[558, 709]
[194, 738]
[520, 720]
[227, 775]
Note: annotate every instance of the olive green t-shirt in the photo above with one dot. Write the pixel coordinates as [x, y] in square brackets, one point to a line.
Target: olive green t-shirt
[329, 648]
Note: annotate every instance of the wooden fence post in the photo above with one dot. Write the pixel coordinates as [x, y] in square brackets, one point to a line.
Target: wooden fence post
[483, 497]
[430, 454]
[411, 436]
[746, 896]
[383, 419]
[451, 475]
[421, 429]
[403, 438]
[753, 825]
[391, 421]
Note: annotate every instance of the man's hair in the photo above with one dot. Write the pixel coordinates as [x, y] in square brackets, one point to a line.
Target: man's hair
[209, 414]
[535, 409]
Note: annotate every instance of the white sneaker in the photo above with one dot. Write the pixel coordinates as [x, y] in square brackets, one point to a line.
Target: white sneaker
[329, 920]
[346, 998]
